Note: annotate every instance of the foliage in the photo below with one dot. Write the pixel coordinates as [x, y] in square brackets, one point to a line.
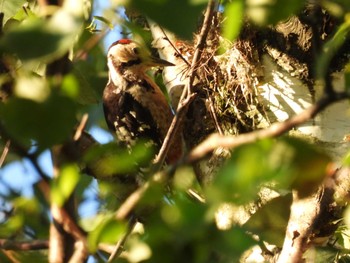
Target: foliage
[44, 105]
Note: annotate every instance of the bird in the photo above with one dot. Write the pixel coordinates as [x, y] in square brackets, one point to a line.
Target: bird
[136, 110]
[134, 106]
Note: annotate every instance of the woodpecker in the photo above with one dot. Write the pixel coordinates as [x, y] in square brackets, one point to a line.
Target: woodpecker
[134, 106]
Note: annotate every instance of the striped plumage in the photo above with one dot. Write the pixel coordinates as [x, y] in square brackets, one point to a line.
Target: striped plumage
[134, 106]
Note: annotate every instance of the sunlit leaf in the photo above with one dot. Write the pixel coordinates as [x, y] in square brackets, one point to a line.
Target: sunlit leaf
[234, 15]
[343, 232]
[104, 20]
[10, 8]
[336, 7]
[64, 185]
[346, 159]
[31, 86]
[290, 163]
[266, 12]
[108, 230]
[70, 86]
[139, 251]
[239, 180]
[44, 39]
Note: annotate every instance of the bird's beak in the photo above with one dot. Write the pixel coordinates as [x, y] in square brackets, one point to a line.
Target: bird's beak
[160, 62]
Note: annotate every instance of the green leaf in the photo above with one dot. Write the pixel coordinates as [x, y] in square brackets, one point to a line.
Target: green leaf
[104, 20]
[31, 86]
[107, 230]
[270, 221]
[331, 47]
[108, 160]
[326, 254]
[187, 234]
[336, 8]
[44, 39]
[239, 180]
[266, 12]
[309, 166]
[289, 163]
[70, 86]
[64, 185]
[346, 159]
[87, 94]
[25, 211]
[234, 12]
[10, 8]
[48, 123]
[40, 41]
[347, 77]
[181, 16]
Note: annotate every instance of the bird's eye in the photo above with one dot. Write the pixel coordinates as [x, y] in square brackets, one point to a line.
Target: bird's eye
[135, 50]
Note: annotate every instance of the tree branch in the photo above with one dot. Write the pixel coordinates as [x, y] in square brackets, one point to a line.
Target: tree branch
[186, 96]
[5, 152]
[23, 245]
[216, 140]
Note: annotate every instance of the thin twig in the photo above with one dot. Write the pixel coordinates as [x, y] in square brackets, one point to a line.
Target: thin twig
[68, 224]
[174, 47]
[5, 152]
[200, 45]
[209, 103]
[175, 124]
[90, 44]
[129, 204]
[186, 96]
[118, 249]
[81, 127]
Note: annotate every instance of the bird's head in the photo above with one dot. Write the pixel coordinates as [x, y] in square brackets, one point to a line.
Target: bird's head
[130, 55]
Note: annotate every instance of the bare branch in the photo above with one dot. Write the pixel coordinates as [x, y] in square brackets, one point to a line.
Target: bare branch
[129, 204]
[8, 244]
[81, 127]
[63, 220]
[174, 126]
[186, 96]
